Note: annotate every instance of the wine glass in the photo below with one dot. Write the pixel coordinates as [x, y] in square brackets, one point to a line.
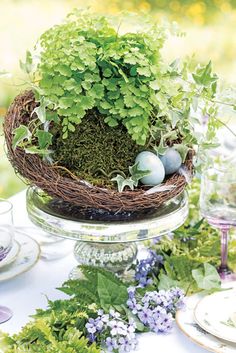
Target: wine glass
[6, 240]
[218, 206]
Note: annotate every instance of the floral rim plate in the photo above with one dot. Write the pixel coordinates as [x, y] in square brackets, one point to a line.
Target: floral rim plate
[12, 255]
[213, 313]
[186, 323]
[28, 256]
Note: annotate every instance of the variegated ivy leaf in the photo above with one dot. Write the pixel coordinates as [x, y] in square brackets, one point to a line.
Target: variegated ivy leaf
[44, 138]
[161, 148]
[40, 111]
[137, 174]
[123, 182]
[175, 117]
[21, 133]
[36, 150]
[182, 149]
[131, 182]
[203, 75]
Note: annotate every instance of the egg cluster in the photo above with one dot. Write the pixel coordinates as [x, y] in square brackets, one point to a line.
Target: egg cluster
[158, 166]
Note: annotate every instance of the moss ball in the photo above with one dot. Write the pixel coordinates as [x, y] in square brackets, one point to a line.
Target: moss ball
[95, 152]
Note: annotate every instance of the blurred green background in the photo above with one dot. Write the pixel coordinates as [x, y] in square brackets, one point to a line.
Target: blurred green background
[210, 28]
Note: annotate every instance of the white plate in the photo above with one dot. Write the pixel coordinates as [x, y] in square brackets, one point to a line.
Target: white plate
[186, 323]
[214, 311]
[12, 255]
[26, 259]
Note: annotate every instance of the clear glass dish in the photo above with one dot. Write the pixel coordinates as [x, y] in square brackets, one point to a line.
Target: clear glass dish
[108, 243]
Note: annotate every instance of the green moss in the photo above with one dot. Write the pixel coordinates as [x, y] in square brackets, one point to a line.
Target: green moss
[95, 152]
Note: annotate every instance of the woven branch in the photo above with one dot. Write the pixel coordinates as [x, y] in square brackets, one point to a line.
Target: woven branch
[50, 179]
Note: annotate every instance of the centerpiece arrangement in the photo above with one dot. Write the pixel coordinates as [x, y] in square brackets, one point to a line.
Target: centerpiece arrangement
[108, 130]
[108, 125]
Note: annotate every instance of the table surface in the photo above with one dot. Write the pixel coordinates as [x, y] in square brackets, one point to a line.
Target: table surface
[28, 291]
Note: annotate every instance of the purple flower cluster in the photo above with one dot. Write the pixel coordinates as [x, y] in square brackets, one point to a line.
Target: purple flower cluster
[147, 266]
[156, 309]
[114, 334]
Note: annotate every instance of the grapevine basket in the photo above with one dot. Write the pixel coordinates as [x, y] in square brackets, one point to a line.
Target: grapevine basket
[70, 189]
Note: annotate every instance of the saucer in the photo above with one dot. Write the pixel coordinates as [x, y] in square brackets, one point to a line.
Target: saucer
[213, 314]
[27, 257]
[186, 322]
[12, 255]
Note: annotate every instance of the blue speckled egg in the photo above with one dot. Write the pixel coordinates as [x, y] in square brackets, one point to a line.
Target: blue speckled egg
[171, 161]
[150, 161]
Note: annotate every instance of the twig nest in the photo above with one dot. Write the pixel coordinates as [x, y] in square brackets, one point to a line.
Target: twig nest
[53, 180]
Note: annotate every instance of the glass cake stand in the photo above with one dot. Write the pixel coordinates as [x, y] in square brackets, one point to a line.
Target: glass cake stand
[104, 240]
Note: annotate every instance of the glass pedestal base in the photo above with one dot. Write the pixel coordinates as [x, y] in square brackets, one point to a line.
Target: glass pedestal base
[111, 244]
[116, 257]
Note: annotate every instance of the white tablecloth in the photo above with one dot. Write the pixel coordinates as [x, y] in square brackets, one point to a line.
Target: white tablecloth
[28, 291]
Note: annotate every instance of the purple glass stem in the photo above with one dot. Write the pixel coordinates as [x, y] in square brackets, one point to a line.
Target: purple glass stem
[223, 269]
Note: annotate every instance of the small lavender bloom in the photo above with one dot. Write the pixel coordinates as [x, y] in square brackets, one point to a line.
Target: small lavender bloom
[163, 298]
[166, 324]
[114, 314]
[162, 324]
[124, 345]
[131, 292]
[180, 304]
[91, 326]
[178, 298]
[131, 327]
[105, 318]
[144, 281]
[117, 328]
[137, 308]
[131, 304]
[91, 337]
[156, 240]
[99, 324]
[146, 266]
[144, 315]
[100, 312]
[205, 119]
[111, 344]
[156, 258]
[132, 324]
[111, 325]
[159, 311]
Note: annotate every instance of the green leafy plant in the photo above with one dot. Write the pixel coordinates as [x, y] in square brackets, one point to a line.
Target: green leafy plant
[86, 64]
[99, 286]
